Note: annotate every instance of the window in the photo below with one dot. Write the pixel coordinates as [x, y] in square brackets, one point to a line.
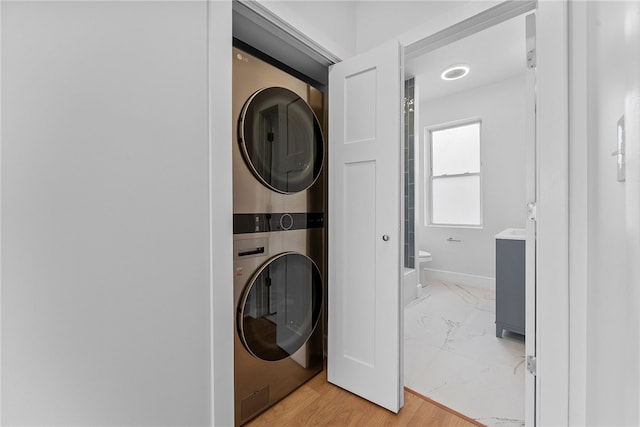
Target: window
[454, 178]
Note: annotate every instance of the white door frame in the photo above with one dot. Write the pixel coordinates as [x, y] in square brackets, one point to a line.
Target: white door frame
[469, 27]
[553, 212]
[578, 225]
[532, 196]
[552, 170]
[553, 200]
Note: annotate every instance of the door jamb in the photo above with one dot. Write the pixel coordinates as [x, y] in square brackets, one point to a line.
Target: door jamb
[468, 27]
[476, 23]
[552, 170]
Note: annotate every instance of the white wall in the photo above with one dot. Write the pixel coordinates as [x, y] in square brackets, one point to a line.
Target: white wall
[501, 107]
[612, 307]
[374, 26]
[408, 21]
[106, 258]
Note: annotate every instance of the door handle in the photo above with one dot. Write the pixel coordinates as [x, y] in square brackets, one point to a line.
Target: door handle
[256, 251]
[385, 237]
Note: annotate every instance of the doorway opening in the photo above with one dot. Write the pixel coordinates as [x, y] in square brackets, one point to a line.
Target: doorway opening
[468, 136]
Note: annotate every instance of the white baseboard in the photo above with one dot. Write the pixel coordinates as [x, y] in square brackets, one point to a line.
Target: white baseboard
[461, 278]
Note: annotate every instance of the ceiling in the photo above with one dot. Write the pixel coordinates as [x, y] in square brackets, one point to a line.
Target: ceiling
[492, 55]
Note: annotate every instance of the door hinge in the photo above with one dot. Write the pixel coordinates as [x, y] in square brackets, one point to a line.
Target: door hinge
[532, 366]
[532, 211]
[531, 58]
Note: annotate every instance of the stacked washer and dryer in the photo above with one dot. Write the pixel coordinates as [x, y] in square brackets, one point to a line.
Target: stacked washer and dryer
[279, 200]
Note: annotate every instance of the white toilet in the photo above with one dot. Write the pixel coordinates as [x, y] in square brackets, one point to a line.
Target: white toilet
[423, 258]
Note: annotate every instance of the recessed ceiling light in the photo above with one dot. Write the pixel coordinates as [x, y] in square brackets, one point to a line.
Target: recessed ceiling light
[455, 72]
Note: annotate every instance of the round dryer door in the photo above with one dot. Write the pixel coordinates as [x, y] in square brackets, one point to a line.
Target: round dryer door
[281, 140]
[280, 307]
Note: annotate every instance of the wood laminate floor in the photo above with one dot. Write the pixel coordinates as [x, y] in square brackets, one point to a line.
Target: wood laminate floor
[319, 403]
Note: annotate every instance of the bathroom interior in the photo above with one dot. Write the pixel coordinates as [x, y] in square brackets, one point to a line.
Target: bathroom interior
[465, 190]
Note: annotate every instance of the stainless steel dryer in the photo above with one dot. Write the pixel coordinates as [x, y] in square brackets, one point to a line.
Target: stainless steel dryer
[278, 292]
[279, 151]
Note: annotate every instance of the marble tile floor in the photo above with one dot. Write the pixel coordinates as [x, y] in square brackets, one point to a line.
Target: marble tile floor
[452, 354]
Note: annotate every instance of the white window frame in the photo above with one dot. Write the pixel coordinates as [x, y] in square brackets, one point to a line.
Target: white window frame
[429, 171]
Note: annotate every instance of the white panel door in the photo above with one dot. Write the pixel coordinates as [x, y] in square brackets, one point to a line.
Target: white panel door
[365, 240]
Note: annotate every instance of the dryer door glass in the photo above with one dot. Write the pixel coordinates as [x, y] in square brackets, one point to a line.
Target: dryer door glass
[280, 307]
[281, 140]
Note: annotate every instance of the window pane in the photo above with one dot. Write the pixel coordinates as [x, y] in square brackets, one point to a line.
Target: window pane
[456, 150]
[456, 200]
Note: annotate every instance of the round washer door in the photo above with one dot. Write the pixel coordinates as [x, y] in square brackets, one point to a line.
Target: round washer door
[280, 307]
[281, 140]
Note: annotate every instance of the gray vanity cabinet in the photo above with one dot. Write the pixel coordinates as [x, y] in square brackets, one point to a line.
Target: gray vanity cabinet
[510, 291]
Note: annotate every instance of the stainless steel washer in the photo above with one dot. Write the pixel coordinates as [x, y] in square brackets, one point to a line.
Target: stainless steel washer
[278, 292]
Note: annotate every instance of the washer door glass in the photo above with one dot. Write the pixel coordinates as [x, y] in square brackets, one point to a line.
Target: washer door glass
[281, 140]
[280, 307]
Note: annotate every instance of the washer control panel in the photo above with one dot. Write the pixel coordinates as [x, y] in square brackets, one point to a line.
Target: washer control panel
[265, 222]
